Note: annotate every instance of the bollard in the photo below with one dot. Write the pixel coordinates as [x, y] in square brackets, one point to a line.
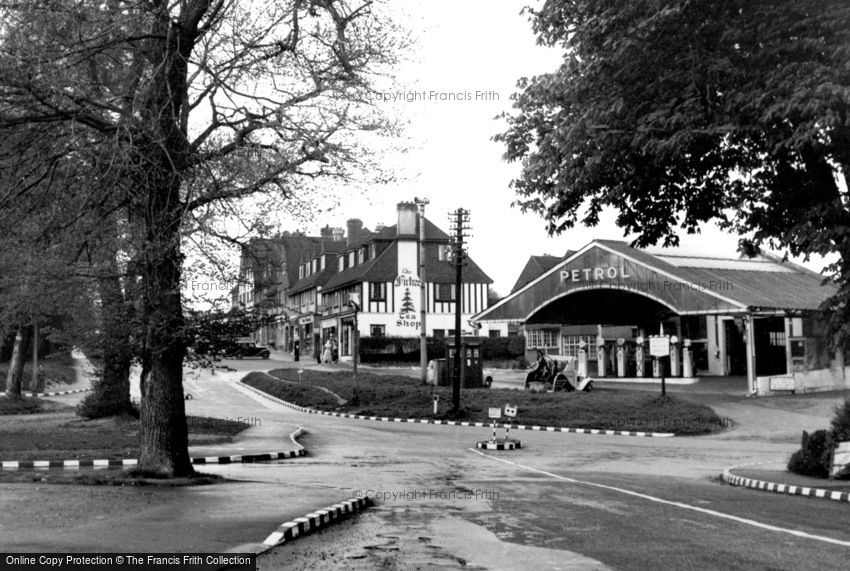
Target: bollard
[639, 358]
[687, 359]
[621, 357]
[601, 361]
[674, 356]
[582, 359]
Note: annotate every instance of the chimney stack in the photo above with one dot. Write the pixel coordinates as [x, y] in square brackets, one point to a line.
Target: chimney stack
[338, 234]
[408, 216]
[355, 226]
[327, 232]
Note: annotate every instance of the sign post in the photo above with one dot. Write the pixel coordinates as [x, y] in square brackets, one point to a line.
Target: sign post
[510, 412]
[494, 413]
[659, 347]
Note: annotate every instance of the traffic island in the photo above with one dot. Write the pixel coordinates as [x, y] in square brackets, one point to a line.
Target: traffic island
[772, 477]
[297, 452]
[386, 401]
[499, 444]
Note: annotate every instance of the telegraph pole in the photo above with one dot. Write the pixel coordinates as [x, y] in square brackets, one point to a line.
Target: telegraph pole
[423, 298]
[460, 225]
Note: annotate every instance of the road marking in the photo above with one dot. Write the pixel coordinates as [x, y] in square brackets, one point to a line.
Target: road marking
[681, 505]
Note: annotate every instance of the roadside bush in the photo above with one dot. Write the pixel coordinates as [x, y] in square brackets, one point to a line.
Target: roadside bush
[813, 457]
[102, 403]
[502, 348]
[400, 350]
[840, 427]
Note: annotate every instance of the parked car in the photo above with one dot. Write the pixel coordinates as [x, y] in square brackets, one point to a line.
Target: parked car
[244, 349]
[551, 376]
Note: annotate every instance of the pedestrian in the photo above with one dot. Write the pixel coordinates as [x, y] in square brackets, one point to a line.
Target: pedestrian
[327, 354]
[317, 348]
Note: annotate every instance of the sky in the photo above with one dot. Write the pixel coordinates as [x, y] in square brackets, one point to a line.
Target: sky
[474, 50]
[471, 52]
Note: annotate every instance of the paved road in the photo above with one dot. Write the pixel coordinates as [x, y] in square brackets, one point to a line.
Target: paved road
[564, 501]
[569, 501]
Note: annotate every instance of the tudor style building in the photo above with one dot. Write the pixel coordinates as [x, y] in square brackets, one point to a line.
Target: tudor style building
[310, 283]
[750, 317]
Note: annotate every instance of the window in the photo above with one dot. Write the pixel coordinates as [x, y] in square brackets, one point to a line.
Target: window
[777, 338]
[542, 338]
[443, 252]
[439, 334]
[378, 330]
[493, 333]
[445, 292]
[571, 344]
[377, 291]
[351, 259]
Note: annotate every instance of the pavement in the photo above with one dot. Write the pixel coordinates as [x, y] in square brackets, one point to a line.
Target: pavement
[563, 501]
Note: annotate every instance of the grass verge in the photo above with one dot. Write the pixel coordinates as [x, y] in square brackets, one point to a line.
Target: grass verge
[403, 397]
[107, 477]
[58, 370]
[65, 436]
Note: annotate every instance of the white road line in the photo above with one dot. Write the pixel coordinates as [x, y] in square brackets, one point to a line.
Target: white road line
[681, 505]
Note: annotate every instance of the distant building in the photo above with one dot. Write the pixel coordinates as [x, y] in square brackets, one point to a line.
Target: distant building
[312, 301]
[755, 317]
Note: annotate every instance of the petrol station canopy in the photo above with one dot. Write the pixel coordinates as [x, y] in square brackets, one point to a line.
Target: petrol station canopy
[608, 279]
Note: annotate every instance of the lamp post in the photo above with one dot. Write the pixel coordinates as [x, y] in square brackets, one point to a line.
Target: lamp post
[423, 298]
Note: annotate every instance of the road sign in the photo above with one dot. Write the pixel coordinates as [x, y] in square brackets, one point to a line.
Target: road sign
[659, 346]
[510, 411]
[494, 413]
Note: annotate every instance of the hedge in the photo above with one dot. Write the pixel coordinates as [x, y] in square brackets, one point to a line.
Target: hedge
[406, 349]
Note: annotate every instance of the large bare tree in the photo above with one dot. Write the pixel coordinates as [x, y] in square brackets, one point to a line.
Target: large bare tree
[196, 102]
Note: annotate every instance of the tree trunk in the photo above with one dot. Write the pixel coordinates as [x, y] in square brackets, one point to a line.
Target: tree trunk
[165, 442]
[14, 378]
[113, 390]
[164, 434]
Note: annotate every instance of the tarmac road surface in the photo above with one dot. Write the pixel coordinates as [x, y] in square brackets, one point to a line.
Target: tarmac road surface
[564, 501]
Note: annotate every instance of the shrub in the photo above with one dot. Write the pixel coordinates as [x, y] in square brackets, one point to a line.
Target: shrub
[840, 427]
[101, 404]
[502, 348]
[814, 455]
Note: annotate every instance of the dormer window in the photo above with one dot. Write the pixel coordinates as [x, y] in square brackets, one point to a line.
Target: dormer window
[351, 260]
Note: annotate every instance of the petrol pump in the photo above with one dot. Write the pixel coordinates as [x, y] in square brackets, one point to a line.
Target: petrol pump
[687, 359]
[674, 357]
[601, 361]
[621, 357]
[639, 360]
[582, 359]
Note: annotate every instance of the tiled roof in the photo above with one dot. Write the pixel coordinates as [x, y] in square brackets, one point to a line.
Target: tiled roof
[536, 267]
[382, 268]
[775, 285]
